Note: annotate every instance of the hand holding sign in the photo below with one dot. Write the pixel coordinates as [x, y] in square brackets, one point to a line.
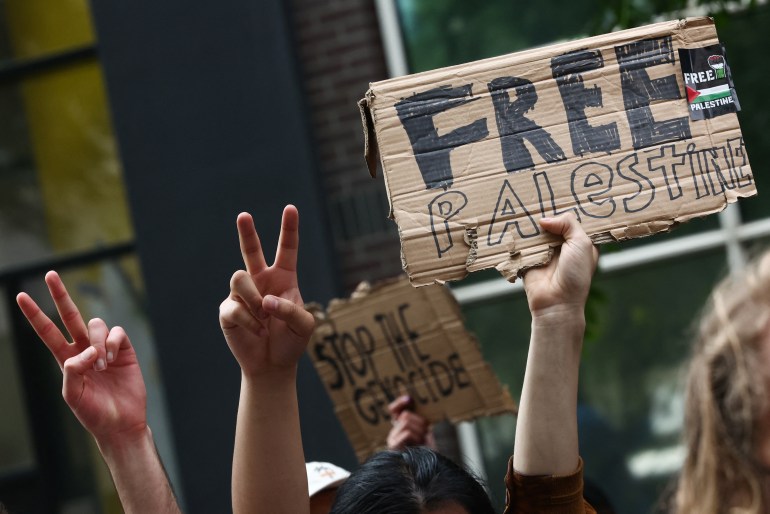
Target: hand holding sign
[565, 281]
[409, 428]
[263, 318]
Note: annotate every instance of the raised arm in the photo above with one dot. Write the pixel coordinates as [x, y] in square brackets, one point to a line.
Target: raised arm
[546, 430]
[268, 329]
[104, 388]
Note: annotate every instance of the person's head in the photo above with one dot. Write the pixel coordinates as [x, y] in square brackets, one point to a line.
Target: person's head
[415, 480]
[323, 479]
[725, 406]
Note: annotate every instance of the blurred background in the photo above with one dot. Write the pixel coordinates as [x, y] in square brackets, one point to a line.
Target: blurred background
[131, 135]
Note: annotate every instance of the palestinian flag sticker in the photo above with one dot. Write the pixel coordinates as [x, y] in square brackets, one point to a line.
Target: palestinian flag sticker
[708, 82]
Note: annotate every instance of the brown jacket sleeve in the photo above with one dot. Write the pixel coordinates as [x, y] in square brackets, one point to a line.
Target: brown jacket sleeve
[545, 494]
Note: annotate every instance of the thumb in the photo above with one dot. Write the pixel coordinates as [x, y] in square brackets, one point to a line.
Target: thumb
[74, 368]
[399, 405]
[299, 321]
[565, 225]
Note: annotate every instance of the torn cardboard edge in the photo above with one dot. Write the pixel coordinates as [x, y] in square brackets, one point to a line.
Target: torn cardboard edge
[383, 326]
[465, 234]
[370, 139]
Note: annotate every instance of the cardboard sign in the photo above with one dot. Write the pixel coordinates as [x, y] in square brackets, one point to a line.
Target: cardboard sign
[390, 340]
[474, 155]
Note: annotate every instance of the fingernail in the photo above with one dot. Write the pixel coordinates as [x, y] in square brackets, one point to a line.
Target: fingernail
[110, 357]
[87, 354]
[270, 303]
[100, 365]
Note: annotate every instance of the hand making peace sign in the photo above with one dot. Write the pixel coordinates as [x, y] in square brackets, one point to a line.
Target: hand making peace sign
[103, 384]
[263, 319]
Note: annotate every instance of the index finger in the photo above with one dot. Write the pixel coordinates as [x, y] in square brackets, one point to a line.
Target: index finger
[288, 241]
[48, 332]
[251, 248]
[68, 311]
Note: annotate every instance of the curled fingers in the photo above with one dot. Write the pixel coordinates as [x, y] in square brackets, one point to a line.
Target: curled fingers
[243, 289]
[234, 314]
[74, 368]
[300, 321]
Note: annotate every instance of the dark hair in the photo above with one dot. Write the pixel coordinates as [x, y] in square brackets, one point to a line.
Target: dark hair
[410, 481]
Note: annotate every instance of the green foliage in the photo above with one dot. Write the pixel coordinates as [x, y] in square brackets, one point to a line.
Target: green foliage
[595, 306]
[456, 31]
[446, 32]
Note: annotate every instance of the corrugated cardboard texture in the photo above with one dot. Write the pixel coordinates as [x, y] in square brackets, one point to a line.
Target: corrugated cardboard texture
[474, 155]
[392, 339]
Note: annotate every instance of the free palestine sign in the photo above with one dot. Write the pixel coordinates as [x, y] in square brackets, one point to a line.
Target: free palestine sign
[634, 132]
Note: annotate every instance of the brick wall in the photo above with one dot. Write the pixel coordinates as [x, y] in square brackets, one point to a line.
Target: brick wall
[340, 51]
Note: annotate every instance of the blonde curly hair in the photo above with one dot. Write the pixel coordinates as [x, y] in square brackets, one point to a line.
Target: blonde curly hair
[726, 397]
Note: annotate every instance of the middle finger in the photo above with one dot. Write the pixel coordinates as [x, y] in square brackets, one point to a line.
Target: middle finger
[68, 311]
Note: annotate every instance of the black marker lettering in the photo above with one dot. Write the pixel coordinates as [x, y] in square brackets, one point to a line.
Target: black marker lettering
[363, 335]
[346, 342]
[567, 69]
[334, 340]
[411, 334]
[667, 167]
[459, 370]
[738, 161]
[506, 211]
[367, 405]
[380, 319]
[639, 200]
[694, 158]
[711, 159]
[541, 180]
[437, 370]
[401, 385]
[424, 380]
[514, 128]
[431, 150]
[321, 356]
[639, 90]
[396, 340]
[445, 207]
[590, 181]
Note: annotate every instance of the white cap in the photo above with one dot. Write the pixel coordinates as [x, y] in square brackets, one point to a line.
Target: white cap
[323, 475]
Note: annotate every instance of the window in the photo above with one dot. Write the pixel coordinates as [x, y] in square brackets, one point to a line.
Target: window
[16, 453]
[62, 206]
